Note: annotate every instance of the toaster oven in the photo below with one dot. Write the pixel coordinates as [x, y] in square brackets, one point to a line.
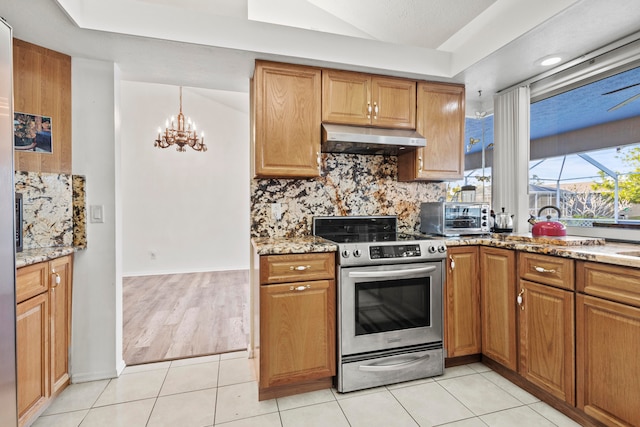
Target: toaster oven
[454, 218]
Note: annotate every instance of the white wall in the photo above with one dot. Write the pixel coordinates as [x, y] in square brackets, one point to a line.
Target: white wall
[191, 210]
[97, 284]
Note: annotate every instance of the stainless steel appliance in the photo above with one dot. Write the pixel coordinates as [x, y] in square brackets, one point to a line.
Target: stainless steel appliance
[18, 224]
[8, 399]
[454, 218]
[390, 326]
[365, 140]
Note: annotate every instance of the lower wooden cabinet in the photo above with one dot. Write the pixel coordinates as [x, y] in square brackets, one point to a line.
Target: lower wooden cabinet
[546, 319]
[297, 342]
[32, 355]
[43, 334]
[498, 295]
[608, 345]
[462, 302]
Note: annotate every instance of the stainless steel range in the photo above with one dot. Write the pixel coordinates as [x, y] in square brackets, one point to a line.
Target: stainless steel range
[389, 301]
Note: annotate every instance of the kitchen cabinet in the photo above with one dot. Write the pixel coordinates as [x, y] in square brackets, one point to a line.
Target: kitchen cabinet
[297, 350]
[285, 120]
[440, 119]
[462, 302]
[60, 307]
[498, 308]
[368, 100]
[607, 344]
[43, 333]
[32, 356]
[546, 321]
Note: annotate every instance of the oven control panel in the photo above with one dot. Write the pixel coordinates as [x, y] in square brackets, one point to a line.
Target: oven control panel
[394, 251]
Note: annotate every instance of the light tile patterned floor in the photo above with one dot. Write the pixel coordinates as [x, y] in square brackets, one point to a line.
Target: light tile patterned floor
[221, 390]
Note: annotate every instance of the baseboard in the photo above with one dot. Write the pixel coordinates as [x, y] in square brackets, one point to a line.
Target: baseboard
[166, 272]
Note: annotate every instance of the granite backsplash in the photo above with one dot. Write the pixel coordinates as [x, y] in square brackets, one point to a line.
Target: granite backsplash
[48, 209]
[350, 184]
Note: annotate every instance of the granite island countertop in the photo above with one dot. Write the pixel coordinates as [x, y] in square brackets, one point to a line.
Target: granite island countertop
[33, 256]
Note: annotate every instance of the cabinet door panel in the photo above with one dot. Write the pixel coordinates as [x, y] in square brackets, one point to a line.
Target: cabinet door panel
[60, 303]
[395, 100]
[547, 339]
[498, 295]
[462, 311]
[32, 355]
[286, 111]
[440, 119]
[607, 349]
[346, 97]
[297, 332]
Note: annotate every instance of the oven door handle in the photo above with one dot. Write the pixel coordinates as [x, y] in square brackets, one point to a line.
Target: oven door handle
[377, 367]
[392, 273]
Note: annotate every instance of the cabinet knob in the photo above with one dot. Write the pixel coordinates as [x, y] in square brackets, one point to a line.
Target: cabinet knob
[543, 270]
[299, 288]
[299, 267]
[520, 299]
[420, 163]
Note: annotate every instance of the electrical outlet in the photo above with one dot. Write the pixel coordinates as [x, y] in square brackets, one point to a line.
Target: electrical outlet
[276, 211]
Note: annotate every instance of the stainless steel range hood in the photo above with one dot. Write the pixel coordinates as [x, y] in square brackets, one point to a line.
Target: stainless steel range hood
[363, 140]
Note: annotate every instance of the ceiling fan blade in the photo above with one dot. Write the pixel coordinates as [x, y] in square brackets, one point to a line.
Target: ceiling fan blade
[620, 89]
[625, 102]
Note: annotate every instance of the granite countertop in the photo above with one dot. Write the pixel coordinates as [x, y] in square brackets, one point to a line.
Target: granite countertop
[293, 245]
[574, 247]
[33, 256]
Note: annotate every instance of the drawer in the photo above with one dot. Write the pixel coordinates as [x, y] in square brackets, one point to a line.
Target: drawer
[615, 283]
[297, 268]
[546, 269]
[32, 280]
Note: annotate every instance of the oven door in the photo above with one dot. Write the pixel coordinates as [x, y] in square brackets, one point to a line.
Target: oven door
[389, 306]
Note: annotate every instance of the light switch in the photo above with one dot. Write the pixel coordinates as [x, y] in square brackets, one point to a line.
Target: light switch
[96, 213]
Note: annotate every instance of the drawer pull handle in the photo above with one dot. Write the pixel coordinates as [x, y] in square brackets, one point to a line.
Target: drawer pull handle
[299, 267]
[57, 279]
[520, 299]
[543, 270]
[453, 263]
[300, 288]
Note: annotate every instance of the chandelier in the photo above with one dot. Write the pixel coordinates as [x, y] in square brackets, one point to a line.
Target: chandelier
[182, 135]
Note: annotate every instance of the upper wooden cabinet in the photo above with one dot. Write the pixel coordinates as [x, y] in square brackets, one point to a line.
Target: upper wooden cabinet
[366, 100]
[498, 296]
[462, 302]
[440, 119]
[285, 110]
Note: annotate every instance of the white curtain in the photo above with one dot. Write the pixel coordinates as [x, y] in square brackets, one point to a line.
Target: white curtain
[510, 174]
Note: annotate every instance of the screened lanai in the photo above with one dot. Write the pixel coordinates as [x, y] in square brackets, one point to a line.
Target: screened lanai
[584, 150]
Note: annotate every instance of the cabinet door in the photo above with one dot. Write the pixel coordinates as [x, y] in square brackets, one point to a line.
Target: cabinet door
[607, 349]
[60, 327]
[286, 121]
[32, 355]
[547, 339]
[346, 98]
[440, 119]
[394, 103]
[498, 296]
[297, 332]
[462, 302]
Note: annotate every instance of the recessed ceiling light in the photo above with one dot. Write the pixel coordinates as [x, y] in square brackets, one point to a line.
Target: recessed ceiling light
[550, 60]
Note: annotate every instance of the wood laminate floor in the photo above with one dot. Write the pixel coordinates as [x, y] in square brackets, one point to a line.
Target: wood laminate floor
[177, 316]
